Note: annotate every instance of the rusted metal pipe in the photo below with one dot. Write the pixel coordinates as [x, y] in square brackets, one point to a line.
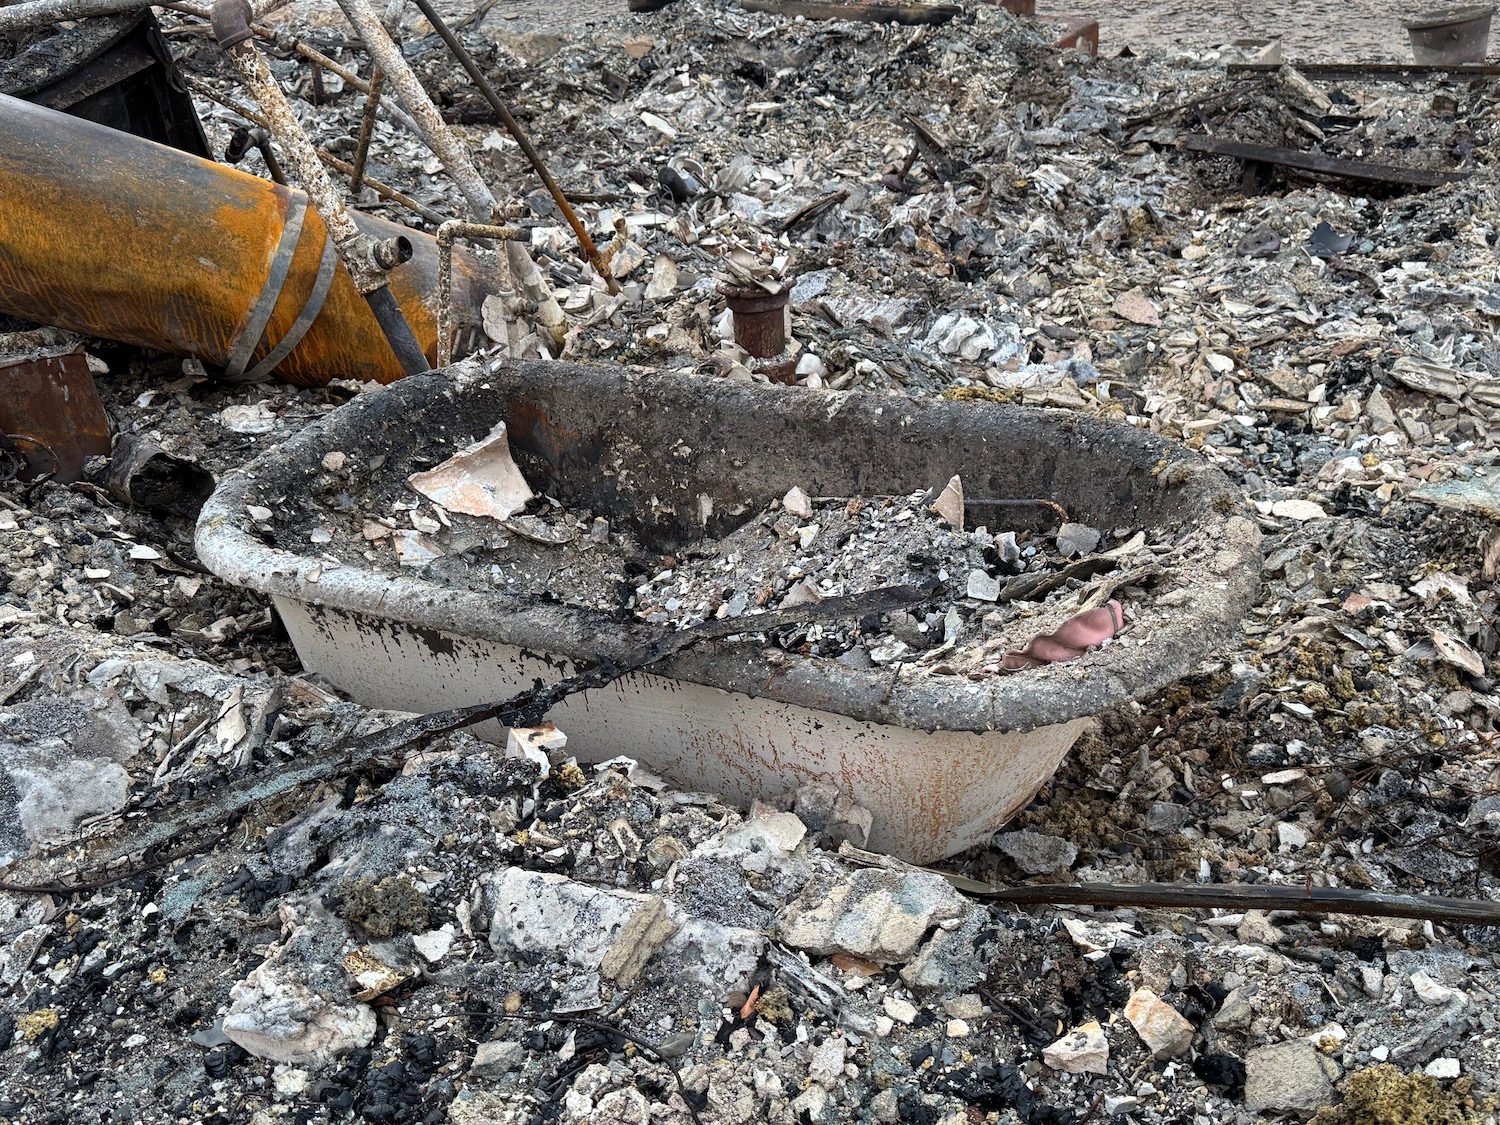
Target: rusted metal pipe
[392, 20]
[231, 24]
[759, 319]
[191, 245]
[457, 228]
[518, 134]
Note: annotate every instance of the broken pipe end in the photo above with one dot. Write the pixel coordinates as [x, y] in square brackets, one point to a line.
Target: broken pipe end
[230, 20]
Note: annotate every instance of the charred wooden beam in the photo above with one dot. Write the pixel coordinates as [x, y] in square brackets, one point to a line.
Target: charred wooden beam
[1322, 165]
[871, 11]
[1378, 71]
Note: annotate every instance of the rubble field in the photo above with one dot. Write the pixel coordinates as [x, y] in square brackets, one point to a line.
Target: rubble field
[429, 930]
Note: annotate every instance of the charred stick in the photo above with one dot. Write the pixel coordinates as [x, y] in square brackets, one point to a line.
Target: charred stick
[1298, 900]
[525, 709]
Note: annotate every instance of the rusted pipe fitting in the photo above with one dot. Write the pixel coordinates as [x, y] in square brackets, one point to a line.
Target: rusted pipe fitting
[230, 20]
[243, 139]
[392, 252]
[759, 319]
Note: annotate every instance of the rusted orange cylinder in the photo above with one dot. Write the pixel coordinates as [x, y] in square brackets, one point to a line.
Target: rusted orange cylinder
[110, 235]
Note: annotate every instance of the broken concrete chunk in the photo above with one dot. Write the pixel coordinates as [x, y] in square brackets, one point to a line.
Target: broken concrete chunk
[538, 912]
[434, 945]
[1286, 1078]
[1160, 1026]
[826, 1067]
[950, 503]
[983, 586]
[59, 766]
[276, 1014]
[497, 1057]
[1075, 539]
[1095, 936]
[1084, 1050]
[1037, 853]
[757, 845]
[798, 503]
[642, 935]
[950, 963]
[883, 915]
[1299, 511]
[902, 1011]
[832, 816]
[479, 480]
[721, 959]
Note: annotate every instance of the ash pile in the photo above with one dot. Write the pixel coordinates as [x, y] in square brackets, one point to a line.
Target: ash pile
[231, 895]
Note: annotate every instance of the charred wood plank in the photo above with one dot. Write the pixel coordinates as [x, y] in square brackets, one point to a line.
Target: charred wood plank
[870, 11]
[1322, 165]
[1383, 71]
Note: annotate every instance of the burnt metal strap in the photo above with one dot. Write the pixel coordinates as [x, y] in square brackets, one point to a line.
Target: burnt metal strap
[260, 313]
[310, 310]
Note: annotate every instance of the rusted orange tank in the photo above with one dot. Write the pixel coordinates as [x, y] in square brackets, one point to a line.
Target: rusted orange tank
[113, 236]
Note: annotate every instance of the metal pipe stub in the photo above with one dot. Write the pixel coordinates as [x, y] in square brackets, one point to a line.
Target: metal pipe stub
[759, 319]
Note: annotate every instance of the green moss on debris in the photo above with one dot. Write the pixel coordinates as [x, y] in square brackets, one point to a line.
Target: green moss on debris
[1384, 1095]
[384, 908]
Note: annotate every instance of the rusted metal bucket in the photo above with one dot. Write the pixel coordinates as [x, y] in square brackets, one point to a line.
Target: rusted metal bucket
[51, 415]
[940, 761]
[110, 235]
[1451, 37]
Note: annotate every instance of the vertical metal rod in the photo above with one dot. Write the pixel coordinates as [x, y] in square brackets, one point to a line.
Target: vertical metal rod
[433, 129]
[366, 128]
[343, 167]
[513, 127]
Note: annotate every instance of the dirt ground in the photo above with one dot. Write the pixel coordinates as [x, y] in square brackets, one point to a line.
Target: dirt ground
[1308, 29]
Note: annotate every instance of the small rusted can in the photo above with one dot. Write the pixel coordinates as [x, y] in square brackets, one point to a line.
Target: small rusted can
[50, 412]
[759, 319]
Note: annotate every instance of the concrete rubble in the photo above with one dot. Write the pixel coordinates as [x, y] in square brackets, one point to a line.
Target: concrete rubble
[461, 933]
